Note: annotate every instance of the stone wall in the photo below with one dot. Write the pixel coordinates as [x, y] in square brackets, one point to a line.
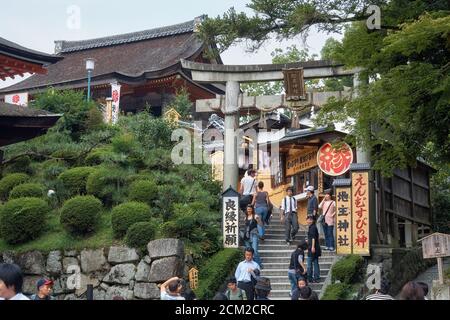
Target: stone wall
[114, 271]
[400, 265]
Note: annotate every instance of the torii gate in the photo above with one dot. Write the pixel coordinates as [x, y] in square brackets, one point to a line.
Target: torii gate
[233, 75]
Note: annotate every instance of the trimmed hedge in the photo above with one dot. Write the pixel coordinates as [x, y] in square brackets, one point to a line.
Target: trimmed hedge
[140, 234]
[30, 190]
[143, 191]
[81, 215]
[20, 165]
[215, 271]
[125, 215]
[9, 182]
[337, 291]
[74, 180]
[23, 219]
[348, 269]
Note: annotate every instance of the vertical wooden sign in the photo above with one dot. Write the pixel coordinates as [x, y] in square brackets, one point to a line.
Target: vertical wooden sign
[360, 211]
[343, 220]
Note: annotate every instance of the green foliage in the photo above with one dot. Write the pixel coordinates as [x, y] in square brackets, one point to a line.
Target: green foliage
[182, 104]
[52, 169]
[74, 180]
[9, 182]
[20, 165]
[195, 224]
[447, 273]
[348, 270]
[215, 272]
[140, 234]
[81, 215]
[151, 133]
[94, 119]
[440, 199]
[125, 215]
[107, 184]
[143, 191]
[405, 109]
[27, 190]
[100, 155]
[77, 115]
[22, 219]
[337, 291]
[124, 143]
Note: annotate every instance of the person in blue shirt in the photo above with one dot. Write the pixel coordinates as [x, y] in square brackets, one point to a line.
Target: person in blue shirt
[244, 272]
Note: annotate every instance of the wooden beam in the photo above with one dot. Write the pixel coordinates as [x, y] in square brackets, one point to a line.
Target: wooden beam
[21, 65]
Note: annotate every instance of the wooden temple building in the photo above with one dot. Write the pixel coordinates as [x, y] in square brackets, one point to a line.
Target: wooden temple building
[19, 123]
[400, 206]
[145, 64]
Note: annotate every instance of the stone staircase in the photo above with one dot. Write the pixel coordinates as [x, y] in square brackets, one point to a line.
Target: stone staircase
[275, 256]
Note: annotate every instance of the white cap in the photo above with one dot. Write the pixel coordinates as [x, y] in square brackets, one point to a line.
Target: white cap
[310, 188]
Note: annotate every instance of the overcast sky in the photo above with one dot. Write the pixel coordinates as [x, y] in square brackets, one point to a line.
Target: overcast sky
[37, 23]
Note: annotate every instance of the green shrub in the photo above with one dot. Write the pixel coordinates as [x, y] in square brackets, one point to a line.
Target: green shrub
[124, 143]
[31, 190]
[106, 184]
[81, 215]
[143, 191]
[125, 215]
[9, 182]
[20, 165]
[447, 273]
[67, 154]
[140, 234]
[198, 226]
[348, 269]
[74, 180]
[22, 219]
[337, 291]
[51, 169]
[99, 156]
[215, 272]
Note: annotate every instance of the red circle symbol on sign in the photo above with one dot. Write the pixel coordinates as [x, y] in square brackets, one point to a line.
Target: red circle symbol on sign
[115, 96]
[16, 98]
[334, 162]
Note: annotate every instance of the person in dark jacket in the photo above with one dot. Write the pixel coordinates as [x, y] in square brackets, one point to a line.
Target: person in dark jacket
[314, 251]
[297, 268]
[263, 288]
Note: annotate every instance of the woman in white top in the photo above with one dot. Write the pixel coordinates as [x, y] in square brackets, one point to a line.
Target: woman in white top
[328, 207]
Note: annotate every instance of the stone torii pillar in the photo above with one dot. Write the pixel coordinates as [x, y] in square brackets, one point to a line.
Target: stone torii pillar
[232, 76]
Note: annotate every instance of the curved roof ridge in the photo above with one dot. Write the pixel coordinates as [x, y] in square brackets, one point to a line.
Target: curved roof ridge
[72, 46]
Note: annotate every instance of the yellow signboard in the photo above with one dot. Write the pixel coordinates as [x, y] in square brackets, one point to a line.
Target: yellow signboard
[301, 162]
[360, 211]
[193, 278]
[344, 220]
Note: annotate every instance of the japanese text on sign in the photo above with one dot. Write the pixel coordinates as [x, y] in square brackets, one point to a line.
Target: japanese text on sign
[344, 221]
[301, 162]
[360, 210]
[334, 162]
[230, 222]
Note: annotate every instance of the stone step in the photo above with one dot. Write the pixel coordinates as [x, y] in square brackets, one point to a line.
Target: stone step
[283, 294]
[285, 260]
[285, 265]
[286, 252]
[287, 286]
[282, 279]
[283, 273]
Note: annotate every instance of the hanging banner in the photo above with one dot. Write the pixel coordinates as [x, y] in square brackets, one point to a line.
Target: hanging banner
[19, 99]
[360, 211]
[300, 162]
[115, 108]
[344, 220]
[334, 162]
[230, 218]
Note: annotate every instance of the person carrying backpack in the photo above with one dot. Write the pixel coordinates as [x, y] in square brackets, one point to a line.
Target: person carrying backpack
[233, 292]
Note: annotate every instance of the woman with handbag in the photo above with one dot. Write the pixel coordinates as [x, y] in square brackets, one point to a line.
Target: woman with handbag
[250, 234]
[328, 207]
